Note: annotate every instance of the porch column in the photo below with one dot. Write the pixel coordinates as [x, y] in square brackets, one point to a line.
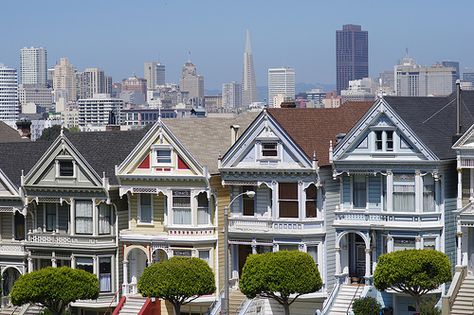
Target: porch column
[367, 263]
[471, 187]
[459, 200]
[125, 278]
[30, 263]
[53, 260]
[73, 262]
[418, 191]
[389, 244]
[72, 218]
[94, 218]
[254, 246]
[459, 244]
[338, 260]
[389, 191]
[418, 242]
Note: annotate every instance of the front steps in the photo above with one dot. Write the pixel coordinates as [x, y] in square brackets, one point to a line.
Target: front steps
[463, 303]
[235, 301]
[343, 301]
[133, 305]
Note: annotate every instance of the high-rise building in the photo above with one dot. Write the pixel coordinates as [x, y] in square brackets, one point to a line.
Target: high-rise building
[64, 81]
[468, 76]
[9, 107]
[134, 90]
[231, 95]
[455, 65]
[33, 66]
[249, 83]
[93, 81]
[40, 95]
[94, 112]
[192, 83]
[352, 55]
[154, 73]
[281, 85]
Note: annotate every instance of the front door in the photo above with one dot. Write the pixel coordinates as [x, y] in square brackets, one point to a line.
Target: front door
[356, 257]
[244, 252]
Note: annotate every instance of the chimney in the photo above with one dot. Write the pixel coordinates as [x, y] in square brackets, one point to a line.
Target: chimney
[234, 133]
[24, 127]
[288, 104]
[458, 108]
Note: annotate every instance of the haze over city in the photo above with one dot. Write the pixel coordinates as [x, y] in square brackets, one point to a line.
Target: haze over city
[120, 36]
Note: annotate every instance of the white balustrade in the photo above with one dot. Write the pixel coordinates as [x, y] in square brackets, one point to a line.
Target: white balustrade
[387, 218]
[69, 240]
[12, 248]
[269, 225]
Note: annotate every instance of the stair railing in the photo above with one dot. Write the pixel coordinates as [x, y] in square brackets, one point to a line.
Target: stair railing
[331, 298]
[353, 298]
[216, 305]
[109, 308]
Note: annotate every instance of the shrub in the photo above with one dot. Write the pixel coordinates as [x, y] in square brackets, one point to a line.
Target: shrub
[366, 306]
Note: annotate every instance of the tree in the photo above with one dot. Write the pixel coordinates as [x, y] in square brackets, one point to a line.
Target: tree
[179, 280]
[366, 306]
[55, 288]
[279, 275]
[414, 272]
[51, 133]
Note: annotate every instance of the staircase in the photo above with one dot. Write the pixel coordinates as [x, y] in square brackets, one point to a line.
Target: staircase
[463, 303]
[34, 310]
[235, 301]
[343, 301]
[10, 310]
[24, 310]
[132, 305]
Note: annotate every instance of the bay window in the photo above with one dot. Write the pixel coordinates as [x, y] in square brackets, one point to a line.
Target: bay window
[359, 191]
[85, 263]
[181, 207]
[404, 192]
[146, 208]
[429, 198]
[204, 214]
[288, 200]
[105, 274]
[84, 217]
[104, 219]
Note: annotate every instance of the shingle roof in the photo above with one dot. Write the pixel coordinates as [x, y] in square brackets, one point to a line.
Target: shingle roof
[8, 134]
[208, 138]
[313, 128]
[433, 119]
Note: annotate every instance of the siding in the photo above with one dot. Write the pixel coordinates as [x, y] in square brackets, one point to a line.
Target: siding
[450, 195]
[6, 225]
[331, 201]
[223, 199]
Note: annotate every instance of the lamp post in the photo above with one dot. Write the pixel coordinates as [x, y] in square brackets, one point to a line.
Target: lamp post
[250, 194]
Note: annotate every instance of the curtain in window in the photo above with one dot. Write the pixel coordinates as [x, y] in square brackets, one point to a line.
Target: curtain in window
[428, 193]
[204, 216]
[181, 207]
[83, 217]
[359, 193]
[145, 208]
[104, 219]
[404, 193]
[288, 199]
[105, 274]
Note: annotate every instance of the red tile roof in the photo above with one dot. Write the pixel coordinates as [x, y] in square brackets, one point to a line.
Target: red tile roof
[313, 128]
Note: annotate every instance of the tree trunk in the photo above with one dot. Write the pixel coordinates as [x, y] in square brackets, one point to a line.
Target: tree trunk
[177, 309]
[417, 304]
[286, 307]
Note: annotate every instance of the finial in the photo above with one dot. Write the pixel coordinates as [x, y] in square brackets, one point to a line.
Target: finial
[159, 113]
[61, 133]
[189, 56]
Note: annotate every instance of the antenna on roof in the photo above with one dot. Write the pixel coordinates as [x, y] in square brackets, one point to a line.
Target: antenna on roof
[189, 56]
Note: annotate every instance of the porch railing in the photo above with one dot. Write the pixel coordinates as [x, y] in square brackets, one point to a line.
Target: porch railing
[12, 247]
[270, 225]
[385, 218]
[61, 240]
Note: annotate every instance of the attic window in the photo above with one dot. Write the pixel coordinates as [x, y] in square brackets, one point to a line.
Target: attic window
[163, 156]
[66, 168]
[269, 149]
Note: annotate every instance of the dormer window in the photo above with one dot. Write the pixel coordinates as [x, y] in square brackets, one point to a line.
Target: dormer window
[269, 150]
[162, 156]
[383, 140]
[66, 168]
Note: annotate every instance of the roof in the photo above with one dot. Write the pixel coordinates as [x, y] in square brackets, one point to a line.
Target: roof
[313, 128]
[208, 138]
[433, 119]
[8, 134]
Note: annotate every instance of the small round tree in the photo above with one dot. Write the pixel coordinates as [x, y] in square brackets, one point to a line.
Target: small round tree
[179, 280]
[366, 306]
[414, 272]
[55, 288]
[279, 275]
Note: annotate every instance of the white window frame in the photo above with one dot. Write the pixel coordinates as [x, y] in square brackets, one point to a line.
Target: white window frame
[260, 155]
[65, 158]
[190, 207]
[111, 272]
[154, 155]
[366, 192]
[139, 221]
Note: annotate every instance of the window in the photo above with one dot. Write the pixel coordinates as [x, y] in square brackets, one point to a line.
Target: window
[429, 243]
[66, 168]
[403, 243]
[85, 263]
[104, 219]
[404, 192]
[248, 203]
[145, 208]
[428, 193]
[288, 247]
[50, 217]
[83, 217]
[311, 193]
[313, 252]
[288, 199]
[389, 142]
[181, 207]
[182, 252]
[269, 149]
[359, 191]
[204, 215]
[105, 274]
[163, 156]
[204, 255]
[378, 141]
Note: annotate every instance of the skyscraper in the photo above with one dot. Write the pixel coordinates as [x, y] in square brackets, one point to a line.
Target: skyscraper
[93, 81]
[33, 66]
[192, 83]
[64, 81]
[154, 73]
[9, 107]
[281, 85]
[352, 55]
[231, 95]
[249, 84]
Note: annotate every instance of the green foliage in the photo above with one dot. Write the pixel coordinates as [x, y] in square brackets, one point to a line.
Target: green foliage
[428, 306]
[55, 288]
[51, 133]
[178, 280]
[74, 129]
[366, 306]
[280, 274]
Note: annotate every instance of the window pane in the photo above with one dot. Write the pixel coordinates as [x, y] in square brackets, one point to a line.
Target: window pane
[50, 217]
[428, 193]
[105, 274]
[163, 156]
[181, 207]
[389, 140]
[360, 191]
[247, 202]
[378, 140]
[311, 194]
[83, 217]
[288, 190]
[104, 219]
[269, 149]
[145, 208]
[204, 255]
[66, 168]
[204, 216]
[403, 243]
[288, 198]
[288, 209]
[404, 192]
[182, 253]
[85, 263]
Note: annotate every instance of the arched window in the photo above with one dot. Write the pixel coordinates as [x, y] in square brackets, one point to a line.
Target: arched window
[311, 201]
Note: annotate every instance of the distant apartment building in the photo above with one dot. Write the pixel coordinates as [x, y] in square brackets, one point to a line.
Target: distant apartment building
[40, 95]
[352, 55]
[192, 83]
[64, 81]
[455, 65]
[154, 73]
[360, 90]
[412, 79]
[468, 77]
[93, 81]
[231, 95]
[70, 116]
[94, 112]
[281, 81]
[9, 106]
[387, 82]
[213, 102]
[33, 66]
[137, 87]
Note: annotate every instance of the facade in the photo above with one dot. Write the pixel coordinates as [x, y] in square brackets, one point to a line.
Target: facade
[192, 83]
[9, 105]
[40, 95]
[95, 112]
[455, 65]
[352, 55]
[360, 90]
[93, 81]
[154, 73]
[33, 66]
[249, 83]
[281, 84]
[135, 85]
[213, 102]
[231, 95]
[64, 81]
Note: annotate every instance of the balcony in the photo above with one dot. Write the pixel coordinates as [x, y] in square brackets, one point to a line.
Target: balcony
[267, 225]
[73, 241]
[401, 220]
[14, 248]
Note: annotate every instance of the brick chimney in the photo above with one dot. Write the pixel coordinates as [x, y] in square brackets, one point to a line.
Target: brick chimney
[288, 104]
[24, 128]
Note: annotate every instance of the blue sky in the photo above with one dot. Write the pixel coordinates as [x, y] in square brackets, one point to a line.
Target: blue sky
[119, 36]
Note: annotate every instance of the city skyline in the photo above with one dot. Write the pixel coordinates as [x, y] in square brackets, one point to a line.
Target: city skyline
[308, 45]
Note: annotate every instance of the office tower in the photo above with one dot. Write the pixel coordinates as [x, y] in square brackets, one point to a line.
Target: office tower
[281, 85]
[249, 84]
[468, 77]
[192, 83]
[93, 81]
[41, 96]
[94, 112]
[50, 77]
[352, 55]
[412, 79]
[231, 95]
[33, 66]
[455, 65]
[154, 73]
[9, 107]
[64, 81]
[134, 90]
